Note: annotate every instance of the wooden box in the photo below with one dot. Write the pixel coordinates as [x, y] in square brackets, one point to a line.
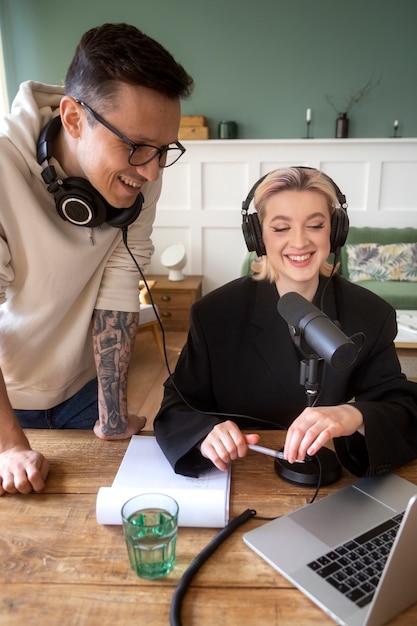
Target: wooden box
[193, 120]
[193, 132]
[193, 127]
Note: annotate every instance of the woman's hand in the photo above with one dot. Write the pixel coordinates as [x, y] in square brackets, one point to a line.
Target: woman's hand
[225, 443]
[316, 426]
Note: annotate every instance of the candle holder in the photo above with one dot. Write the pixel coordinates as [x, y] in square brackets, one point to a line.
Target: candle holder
[396, 125]
[307, 136]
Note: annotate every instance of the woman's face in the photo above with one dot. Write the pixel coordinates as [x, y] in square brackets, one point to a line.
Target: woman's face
[296, 232]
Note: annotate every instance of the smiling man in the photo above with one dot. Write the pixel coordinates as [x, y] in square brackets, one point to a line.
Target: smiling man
[80, 178]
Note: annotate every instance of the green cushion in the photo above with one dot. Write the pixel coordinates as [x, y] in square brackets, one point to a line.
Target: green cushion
[369, 234]
[246, 269]
[400, 295]
[382, 261]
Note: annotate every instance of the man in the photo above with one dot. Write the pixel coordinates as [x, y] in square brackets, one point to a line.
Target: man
[80, 177]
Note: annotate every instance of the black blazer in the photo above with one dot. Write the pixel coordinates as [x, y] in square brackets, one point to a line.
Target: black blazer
[240, 361]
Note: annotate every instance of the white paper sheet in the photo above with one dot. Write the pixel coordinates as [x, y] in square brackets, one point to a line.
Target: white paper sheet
[203, 502]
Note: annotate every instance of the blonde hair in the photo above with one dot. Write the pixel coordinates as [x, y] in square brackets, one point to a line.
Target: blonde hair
[291, 179]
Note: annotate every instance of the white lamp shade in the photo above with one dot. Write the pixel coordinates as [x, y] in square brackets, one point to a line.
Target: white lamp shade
[174, 259]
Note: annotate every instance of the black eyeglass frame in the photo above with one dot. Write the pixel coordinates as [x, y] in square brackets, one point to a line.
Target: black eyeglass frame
[159, 152]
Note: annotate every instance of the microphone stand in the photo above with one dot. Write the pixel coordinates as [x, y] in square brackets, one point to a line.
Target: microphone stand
[309, 378]
[323, 468]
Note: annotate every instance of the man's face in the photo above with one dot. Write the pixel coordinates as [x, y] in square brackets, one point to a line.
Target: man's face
[142, 115]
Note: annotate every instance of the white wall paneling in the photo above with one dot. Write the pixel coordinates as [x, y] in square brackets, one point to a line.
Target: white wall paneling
[200, 204]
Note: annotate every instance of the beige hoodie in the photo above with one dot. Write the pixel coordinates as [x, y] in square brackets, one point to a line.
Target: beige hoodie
[53, 274]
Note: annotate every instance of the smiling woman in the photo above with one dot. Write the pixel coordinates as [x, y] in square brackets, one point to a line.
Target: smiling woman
[241, 366]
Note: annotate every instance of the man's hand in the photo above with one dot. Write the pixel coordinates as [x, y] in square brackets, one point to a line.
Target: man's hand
[22, 470]
[134, 425]
[225, 443]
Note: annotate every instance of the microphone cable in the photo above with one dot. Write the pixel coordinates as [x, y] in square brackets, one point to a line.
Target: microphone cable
[199, 560]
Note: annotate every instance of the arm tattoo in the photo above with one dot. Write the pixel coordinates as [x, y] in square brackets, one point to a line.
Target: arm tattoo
[114, 334]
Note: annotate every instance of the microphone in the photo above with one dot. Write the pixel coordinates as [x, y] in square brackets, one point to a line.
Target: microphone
[319, 332]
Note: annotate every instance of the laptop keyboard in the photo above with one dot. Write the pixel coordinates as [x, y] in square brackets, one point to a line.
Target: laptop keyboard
[355, 567]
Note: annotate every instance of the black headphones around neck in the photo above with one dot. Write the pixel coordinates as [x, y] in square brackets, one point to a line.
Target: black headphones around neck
[252, 230]
[76, 200]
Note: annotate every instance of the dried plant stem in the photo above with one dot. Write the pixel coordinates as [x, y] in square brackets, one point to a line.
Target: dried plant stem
[355, 97]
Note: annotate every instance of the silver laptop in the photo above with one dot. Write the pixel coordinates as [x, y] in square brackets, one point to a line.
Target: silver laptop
[354, 552]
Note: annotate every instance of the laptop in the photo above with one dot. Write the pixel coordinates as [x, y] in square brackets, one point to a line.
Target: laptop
[331, 551]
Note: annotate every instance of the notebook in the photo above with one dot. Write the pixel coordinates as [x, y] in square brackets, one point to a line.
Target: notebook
[327, 549]
[203, 502]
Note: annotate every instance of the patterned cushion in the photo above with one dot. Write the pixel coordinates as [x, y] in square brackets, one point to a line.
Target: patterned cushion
[372, 261]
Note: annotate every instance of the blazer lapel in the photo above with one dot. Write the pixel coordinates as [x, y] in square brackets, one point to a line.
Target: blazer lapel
[272, 338]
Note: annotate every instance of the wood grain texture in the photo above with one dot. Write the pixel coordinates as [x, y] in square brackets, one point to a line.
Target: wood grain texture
[60, 568]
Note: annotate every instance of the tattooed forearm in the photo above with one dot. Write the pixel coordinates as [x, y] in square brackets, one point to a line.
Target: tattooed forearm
[114, 334]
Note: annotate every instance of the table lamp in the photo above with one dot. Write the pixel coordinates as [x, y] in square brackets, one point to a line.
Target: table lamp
[174, 259]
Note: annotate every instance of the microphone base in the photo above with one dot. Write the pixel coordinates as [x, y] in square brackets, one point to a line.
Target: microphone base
[308, 474]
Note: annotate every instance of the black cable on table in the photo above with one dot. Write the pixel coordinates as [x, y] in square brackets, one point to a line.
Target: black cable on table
[199, 560]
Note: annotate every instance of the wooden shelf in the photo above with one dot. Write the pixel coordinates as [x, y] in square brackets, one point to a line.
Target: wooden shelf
[174, 299]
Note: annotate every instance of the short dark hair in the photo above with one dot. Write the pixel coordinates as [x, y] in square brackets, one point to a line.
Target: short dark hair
[114, 53]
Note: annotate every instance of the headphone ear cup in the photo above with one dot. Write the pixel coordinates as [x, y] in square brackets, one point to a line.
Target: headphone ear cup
[122, 218]
[77, 202]
[339, 230]
[252, 233]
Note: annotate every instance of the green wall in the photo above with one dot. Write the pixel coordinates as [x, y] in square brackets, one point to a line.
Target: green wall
[261, 62]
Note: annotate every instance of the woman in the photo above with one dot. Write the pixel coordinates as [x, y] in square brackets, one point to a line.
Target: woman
[241, 362]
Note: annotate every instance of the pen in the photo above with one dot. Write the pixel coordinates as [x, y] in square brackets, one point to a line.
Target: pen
[268, 452]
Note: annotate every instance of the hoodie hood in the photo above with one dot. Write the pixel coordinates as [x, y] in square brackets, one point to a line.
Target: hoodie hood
[32, 108]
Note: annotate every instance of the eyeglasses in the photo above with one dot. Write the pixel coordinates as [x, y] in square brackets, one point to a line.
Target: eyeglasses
[142, 153]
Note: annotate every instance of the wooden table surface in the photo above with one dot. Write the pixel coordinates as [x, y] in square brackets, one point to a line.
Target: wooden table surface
[59, 567]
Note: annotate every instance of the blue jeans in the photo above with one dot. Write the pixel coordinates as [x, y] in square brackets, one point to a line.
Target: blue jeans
[78, 412]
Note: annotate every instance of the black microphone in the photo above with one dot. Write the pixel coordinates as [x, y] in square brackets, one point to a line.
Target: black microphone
[318, 331]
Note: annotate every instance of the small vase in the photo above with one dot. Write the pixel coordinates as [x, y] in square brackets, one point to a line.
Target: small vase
[342, 126]
[227, 130]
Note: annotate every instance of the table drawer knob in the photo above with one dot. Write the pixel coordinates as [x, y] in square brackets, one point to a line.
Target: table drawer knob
[166, 314]
[165, 298]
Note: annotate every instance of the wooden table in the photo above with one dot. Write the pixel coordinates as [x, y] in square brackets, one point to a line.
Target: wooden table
[60, 568]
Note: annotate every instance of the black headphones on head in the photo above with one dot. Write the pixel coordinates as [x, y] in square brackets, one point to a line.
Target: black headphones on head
[76, 200]
[252, 230]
